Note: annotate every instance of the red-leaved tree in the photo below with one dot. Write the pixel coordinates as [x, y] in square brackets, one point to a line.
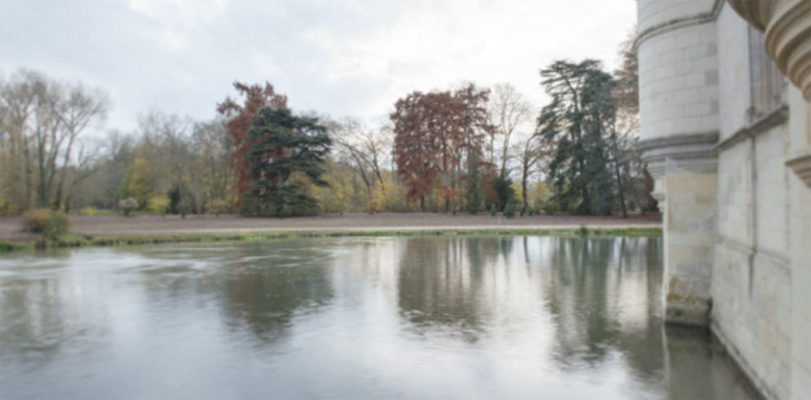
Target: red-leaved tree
[240, 117]
[435, 133]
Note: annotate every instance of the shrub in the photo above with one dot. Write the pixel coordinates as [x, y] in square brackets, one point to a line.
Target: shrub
[158, 205]
[220, 206]
[57, 226]
[509, 208]
[89, 211]
[8, 209]
[46, 222]
[181, 200]
[493, 209]
[128, 205]
[550, 208]
[36, 219]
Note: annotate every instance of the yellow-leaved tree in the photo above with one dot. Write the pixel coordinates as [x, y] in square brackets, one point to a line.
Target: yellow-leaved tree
[139, 181]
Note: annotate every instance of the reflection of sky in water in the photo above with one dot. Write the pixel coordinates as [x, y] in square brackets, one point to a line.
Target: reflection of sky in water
[475, 317]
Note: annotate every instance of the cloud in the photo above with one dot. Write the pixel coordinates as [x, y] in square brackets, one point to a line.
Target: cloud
[175, 21]
[343, 58]
[435, 44]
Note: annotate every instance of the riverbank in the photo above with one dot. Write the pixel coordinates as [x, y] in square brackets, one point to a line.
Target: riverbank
[118, 230]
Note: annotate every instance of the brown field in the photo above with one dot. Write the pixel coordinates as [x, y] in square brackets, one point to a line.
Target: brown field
[112, 226]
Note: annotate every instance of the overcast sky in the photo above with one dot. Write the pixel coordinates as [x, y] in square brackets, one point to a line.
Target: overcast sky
[338, 57]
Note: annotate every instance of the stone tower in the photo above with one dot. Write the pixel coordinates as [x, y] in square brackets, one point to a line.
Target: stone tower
[679, 125]
[725, 120]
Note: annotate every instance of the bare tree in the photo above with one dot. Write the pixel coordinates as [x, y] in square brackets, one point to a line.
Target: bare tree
[18, 101]
[508, 110]
[531, 153]
[75, 111]
[41, 122]
[626, 85]
[365, 149]
[166, 146]
[213, 178]
[84, 166]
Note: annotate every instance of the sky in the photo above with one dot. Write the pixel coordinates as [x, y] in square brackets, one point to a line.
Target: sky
[342, 58]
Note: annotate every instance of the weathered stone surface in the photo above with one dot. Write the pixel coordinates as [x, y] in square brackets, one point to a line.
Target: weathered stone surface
[689, 238]
[679, 127]
[787, 26]
[728, 142]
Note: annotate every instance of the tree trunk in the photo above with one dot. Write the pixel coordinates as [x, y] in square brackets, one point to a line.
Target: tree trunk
[524, 178]
[619, 189]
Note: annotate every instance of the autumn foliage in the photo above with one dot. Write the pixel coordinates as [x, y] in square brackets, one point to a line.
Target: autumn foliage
[240, 119]
[435, 134]
[466, 148]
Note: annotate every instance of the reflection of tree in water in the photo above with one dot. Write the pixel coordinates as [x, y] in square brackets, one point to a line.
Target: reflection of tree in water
[41, 318]
[640, 263]
[440, 281]
[263, 295]
[576, 299]
[602, 293]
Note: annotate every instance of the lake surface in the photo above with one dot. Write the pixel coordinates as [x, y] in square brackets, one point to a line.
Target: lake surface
[352, 318]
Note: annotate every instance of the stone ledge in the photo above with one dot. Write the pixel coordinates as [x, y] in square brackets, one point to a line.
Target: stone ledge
[679, 23]
[771, 256]
[771, 120]
[692, 152]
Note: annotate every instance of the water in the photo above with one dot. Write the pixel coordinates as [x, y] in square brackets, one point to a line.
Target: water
[354, 318]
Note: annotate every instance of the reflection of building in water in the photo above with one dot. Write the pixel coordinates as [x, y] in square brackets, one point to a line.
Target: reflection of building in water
[509, 316]
[588, 301]
[601, 292]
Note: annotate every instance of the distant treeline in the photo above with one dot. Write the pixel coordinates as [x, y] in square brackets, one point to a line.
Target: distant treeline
[470, 149]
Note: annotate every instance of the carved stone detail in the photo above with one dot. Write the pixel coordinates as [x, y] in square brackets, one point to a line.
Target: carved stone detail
[758, 13]
[787, 28]
[693, 153]
[802, 167]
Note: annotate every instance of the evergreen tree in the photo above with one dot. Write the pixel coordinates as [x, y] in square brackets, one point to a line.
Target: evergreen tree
[503, 187]
[576, 121]
[181, 200]
[509, 208]
[284, 145]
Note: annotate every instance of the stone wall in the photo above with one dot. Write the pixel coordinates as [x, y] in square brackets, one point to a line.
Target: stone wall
[679, 111]
[799, 209]
[678, 76]
[728, 142]
[690, 232]
[751, 279]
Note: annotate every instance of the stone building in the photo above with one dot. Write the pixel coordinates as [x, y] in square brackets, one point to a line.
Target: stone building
[726, 127]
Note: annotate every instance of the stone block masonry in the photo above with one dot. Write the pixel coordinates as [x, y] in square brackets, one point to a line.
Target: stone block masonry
[725, 122]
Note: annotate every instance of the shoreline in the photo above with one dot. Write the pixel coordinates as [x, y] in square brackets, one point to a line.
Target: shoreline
[143, 230]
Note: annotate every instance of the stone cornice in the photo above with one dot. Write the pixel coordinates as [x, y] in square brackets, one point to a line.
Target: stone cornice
[775, 118]
[693, 152]
[787, 28]
[802, 167]
[677, 23]
[757, 13]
